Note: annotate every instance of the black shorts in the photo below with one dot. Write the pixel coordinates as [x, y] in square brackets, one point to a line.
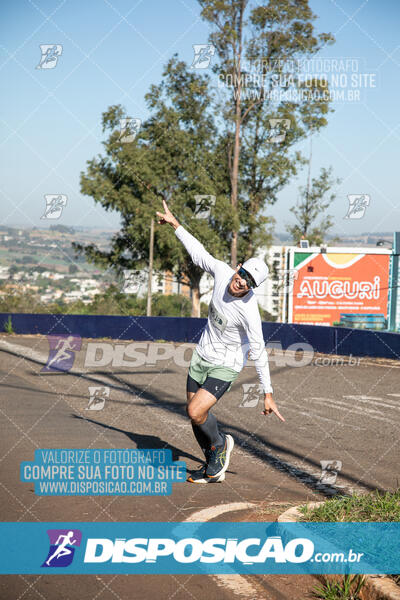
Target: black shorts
[216, 387]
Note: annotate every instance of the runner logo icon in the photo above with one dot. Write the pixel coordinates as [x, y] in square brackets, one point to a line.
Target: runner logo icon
[61, 551]
[62, 352]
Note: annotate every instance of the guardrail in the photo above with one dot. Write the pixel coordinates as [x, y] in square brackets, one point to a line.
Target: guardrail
[327, 340]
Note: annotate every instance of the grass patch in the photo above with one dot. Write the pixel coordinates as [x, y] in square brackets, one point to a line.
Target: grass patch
[8, 328]
[373, 507]
[347, 588]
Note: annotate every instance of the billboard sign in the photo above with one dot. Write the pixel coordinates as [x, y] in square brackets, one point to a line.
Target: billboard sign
[338, 281]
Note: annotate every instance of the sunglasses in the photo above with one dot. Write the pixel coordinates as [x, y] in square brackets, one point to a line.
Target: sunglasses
[243, 274]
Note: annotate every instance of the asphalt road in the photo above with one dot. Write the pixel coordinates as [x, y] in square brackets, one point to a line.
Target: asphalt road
[343, 413]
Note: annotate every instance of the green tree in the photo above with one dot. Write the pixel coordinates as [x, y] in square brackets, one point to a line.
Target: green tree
[257, 47]
[12, 270]
[176, 151]
[314, 199]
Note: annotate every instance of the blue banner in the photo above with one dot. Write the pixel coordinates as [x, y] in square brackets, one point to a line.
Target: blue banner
[103, 472]
[199, 548]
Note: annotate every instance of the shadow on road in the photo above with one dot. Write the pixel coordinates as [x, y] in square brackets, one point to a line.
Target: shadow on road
[143, 441]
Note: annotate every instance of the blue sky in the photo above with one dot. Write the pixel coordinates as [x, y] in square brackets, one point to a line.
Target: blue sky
[114, 50]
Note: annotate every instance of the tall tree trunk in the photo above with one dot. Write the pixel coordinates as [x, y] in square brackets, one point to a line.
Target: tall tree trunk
[236, 148]
[150, 280]
[196, 300]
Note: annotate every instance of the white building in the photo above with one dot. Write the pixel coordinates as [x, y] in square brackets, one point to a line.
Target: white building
[270, 294]
[72, 296]
[4, 272]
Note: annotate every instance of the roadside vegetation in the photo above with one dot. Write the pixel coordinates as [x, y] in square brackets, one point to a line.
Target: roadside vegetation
[110, 302]
[347, 587]
[373, 507]
[8, 328]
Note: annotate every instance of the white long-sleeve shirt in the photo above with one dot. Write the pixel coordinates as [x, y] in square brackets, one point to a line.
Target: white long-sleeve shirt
[233, 332]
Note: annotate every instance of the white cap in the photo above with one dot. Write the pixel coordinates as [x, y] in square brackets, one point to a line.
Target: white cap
[257, 269]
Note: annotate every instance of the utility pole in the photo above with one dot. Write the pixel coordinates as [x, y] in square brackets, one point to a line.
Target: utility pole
[150, 279]
[394, 279]
[308, 186]
[309, 170]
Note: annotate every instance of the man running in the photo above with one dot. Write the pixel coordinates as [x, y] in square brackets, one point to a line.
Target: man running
[233, 329]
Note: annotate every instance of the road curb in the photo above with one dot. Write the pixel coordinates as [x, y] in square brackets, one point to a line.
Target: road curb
[377, 587]
[235, 584]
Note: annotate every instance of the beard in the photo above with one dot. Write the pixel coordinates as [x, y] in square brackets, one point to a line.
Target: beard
[236, 290]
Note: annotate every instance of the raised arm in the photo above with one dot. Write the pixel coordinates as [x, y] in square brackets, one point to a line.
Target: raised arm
[198, 253]
[167, 217]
